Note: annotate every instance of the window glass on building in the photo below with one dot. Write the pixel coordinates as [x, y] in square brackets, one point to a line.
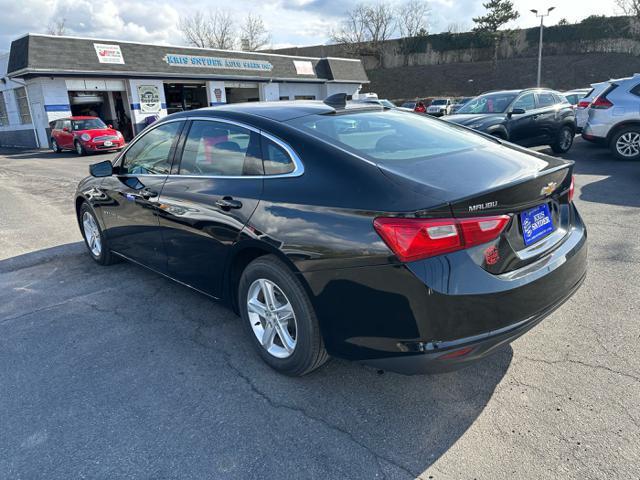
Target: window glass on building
[4, 118]
[151, 154]
[221, 149]
[23, 105]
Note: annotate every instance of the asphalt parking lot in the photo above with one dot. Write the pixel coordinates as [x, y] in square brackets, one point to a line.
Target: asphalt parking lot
[114, 372]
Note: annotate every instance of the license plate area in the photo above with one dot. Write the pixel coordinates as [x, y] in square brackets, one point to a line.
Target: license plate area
[536, 224]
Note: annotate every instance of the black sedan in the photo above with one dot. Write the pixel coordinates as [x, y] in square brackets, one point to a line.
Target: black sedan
[528, 117]
[354, 231]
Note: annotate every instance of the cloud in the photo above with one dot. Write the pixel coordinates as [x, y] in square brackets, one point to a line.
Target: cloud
[291, 22]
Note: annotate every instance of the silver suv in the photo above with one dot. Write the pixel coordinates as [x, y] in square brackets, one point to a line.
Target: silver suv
[614, 118]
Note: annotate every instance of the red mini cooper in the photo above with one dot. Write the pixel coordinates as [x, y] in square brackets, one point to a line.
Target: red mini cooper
[84, 135]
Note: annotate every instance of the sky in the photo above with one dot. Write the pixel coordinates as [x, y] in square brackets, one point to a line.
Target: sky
[291, 22]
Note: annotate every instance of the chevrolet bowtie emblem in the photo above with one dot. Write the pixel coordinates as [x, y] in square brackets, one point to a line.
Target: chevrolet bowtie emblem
[549, 188]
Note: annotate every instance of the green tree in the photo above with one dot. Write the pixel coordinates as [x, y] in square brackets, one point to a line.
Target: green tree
[499, 13]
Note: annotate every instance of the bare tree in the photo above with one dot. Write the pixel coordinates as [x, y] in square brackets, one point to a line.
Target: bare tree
[412, 18]
[365, 29]
[254, 34]
[630, 7]
[197, 29]
[223, 30]
[57, 27]
[214, 29]
[457, 27]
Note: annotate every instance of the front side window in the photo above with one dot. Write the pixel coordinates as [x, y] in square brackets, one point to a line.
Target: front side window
[89, 124]
[23, 105]
[546, 99]
[489, 103]
[151, 154]
[390, 136]
[221, 149]
[526, 102]
[4, 118]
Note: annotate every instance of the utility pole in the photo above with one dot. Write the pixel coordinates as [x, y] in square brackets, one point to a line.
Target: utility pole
[541, 15]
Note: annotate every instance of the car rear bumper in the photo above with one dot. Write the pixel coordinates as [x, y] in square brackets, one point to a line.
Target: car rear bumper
[408, 317]
[451, 356]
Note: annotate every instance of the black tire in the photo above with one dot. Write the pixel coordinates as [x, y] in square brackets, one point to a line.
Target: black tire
[309, 352]
[79, 149]
[105, 257]
[617, 143]
[564, 140]
[55, 147]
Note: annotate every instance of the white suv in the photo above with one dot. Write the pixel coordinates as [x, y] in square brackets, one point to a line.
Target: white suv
[440, 107]
[614, 118]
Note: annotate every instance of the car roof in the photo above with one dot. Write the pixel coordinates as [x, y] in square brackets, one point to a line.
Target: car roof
[79, 117]
[280, 111]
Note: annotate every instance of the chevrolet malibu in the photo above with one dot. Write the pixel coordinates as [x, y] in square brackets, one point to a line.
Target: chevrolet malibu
[344, 230]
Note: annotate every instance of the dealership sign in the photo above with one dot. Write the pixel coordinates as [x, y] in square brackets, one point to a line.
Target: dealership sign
[108, 53]
[149, 99]
[178, 60]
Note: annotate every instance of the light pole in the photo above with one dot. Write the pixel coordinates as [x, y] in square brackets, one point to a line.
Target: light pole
[541, 15]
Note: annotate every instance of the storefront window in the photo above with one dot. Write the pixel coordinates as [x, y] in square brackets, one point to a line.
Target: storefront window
[4, 119]
[23, 105]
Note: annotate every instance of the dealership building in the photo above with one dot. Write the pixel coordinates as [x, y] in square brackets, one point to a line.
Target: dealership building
[127, 84]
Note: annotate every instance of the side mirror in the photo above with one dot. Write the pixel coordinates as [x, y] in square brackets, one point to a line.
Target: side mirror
[517, 111]
[101, 169]
[65, 129]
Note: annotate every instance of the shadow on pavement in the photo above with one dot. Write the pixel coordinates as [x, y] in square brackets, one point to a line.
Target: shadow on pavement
[115, 371]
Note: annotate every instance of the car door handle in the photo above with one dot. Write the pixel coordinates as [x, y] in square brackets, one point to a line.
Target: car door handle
[227, 203]
[146, 193]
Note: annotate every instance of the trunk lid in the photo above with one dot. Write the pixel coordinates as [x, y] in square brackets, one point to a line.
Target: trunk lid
[496, 181]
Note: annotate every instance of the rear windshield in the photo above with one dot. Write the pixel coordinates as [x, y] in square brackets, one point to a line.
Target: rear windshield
[489, 103]
[89, 124]
[391, 136]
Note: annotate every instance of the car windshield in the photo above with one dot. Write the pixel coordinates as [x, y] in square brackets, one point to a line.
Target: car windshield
[389, 137]
[440, 101]
[387, 103]
[88, 124]
[489, 103]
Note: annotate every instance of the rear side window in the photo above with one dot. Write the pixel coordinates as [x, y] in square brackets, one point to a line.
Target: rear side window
[389, 136]
[221, 149]
[636, 90]
[276, 160]
[546, 99]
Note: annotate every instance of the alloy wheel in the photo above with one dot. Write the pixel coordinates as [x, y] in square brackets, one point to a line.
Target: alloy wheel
[566, 139]
[54, 146]
[272, 318]
[628, 144]
[78, 148]
[92, 233]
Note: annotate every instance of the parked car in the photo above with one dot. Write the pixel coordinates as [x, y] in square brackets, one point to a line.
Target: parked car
[83, 135]
[452, 245]
[574, 96]
[527, 117]
[614, 118]
[440, 107]
[459, 103]
[582, 109]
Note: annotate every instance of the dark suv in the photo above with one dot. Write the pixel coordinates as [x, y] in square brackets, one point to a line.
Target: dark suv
[527, 117]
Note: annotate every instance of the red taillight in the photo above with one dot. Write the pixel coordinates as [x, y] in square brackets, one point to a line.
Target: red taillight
[601, 103]
[456, 353]
[583, 104]
[572, 189]
[415, 238]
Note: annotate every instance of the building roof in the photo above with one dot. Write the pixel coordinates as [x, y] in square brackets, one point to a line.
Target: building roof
[34, 54]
